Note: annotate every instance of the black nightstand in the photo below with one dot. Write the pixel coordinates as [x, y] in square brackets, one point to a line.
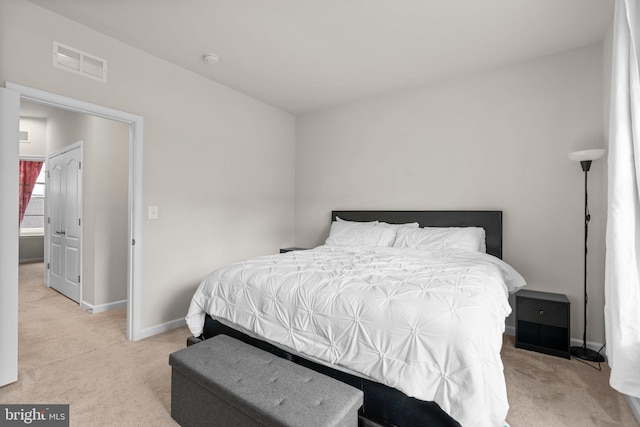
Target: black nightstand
[285, 250]
[542, 322]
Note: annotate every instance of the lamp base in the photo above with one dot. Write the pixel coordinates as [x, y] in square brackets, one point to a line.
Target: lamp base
[586, 354]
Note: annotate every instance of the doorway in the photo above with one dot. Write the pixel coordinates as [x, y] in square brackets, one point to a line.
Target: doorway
[86, 201]
[134, 206]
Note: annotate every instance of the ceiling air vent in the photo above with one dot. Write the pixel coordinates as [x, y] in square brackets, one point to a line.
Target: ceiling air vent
[76, 61]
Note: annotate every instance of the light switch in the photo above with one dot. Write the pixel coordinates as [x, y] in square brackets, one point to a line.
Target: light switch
[153, 212]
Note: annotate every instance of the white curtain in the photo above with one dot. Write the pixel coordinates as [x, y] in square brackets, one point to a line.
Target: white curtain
[622, 276]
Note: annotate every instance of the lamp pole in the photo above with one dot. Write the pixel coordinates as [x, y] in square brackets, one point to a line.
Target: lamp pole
[582, 352]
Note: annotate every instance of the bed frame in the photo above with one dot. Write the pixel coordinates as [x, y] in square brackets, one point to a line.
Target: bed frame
[383, 405]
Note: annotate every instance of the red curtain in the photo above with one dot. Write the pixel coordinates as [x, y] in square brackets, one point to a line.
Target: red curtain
[29, 172]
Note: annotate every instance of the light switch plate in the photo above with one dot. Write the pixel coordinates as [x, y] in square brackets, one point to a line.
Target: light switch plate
[154, 212]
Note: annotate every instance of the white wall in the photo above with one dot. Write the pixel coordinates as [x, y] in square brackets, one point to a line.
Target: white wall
[37, 128]
[107, 171]
[219, 164]
[497, 140]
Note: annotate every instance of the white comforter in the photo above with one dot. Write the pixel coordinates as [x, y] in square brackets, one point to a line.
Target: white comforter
[427, 323]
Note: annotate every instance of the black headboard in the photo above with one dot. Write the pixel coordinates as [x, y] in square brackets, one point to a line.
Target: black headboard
[491, 221]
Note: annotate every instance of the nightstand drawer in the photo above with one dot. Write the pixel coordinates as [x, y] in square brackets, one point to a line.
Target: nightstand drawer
[549, 313]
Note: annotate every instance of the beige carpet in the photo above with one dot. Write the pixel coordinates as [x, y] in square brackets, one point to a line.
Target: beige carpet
[551, 391]
[69, 356]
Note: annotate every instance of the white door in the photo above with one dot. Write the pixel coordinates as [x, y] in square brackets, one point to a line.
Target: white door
[9, 137]
[64, 205]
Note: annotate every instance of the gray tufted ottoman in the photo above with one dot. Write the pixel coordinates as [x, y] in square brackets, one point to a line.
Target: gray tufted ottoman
[225, 382]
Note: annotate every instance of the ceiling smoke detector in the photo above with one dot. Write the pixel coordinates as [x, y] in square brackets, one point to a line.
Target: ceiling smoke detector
[210, 58]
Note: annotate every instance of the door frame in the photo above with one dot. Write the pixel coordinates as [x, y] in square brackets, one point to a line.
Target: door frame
[9, 171]
[135, 122]
[47, 226]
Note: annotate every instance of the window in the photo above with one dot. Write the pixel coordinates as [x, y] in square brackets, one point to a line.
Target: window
[33, 221]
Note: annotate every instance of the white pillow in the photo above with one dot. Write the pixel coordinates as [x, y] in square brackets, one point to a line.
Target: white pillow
[440, 238]
[347, 233]
[398, 226]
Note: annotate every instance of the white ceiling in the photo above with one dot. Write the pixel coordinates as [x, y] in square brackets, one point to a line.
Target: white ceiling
[302, 55]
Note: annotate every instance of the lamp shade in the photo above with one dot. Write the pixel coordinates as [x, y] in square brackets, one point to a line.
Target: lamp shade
[580, 156]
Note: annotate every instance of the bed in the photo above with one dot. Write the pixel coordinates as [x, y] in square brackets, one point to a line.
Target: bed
[408, 306]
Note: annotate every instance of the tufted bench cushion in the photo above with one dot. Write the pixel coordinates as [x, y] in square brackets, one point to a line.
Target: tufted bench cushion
[225, 382]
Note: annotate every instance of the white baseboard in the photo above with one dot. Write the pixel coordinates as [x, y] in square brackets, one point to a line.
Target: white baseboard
[164, 327]
[30, 260]
[102, 307]
[634, 404]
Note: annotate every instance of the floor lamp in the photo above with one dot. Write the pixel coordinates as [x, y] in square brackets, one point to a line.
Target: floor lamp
[585, 158]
